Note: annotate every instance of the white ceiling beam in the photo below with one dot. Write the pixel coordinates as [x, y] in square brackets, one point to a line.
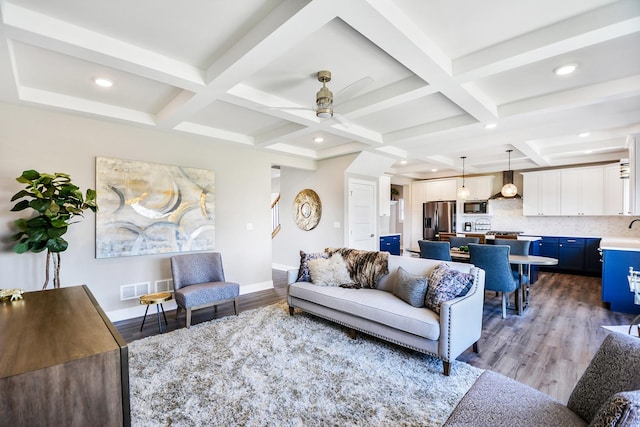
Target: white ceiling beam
[529, 149]
[418, 133]
[594, 94]
[387, 26]
[609, 22]
[81, 105]
[211, 132]
[291, 22]
[46, 32]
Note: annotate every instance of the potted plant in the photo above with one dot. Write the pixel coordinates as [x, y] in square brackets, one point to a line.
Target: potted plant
[55, 201]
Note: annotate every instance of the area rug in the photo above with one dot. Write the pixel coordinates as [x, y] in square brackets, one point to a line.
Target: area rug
[266, 368]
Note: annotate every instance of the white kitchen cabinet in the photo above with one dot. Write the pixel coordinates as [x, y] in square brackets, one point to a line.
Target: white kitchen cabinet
[541, 193]
[582, 191]
[418, 197]
[442, 189]
[384, 195]
[480, 187]
[615, 191]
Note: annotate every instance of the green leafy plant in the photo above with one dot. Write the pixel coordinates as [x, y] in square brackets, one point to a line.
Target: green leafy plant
[56, 202]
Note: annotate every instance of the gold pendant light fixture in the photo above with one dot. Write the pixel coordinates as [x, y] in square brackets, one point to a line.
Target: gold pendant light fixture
[463, 192]
[509, 189]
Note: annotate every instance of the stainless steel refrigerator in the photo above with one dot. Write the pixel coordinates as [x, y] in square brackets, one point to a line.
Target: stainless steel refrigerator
[438, 217]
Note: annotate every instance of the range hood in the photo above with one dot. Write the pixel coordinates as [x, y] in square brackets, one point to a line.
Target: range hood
[507, 178]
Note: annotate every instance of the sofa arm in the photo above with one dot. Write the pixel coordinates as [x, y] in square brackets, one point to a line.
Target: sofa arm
[461, 320]
[292, 276]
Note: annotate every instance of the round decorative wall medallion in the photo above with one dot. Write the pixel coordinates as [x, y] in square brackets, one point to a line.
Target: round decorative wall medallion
[307, 209]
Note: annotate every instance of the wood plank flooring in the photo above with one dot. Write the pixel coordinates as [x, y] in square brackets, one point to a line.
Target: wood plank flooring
[547, 348]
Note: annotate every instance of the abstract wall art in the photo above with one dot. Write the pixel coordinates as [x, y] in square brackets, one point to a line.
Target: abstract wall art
[147, 208]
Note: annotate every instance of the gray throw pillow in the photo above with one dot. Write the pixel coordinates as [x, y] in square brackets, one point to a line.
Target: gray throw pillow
[446, 284]
[409, 287]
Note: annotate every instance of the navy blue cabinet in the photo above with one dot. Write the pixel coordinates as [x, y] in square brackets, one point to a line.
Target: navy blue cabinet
[570, 254]
[615, 286]
[592, 257]
[548, 247]
[390, 244]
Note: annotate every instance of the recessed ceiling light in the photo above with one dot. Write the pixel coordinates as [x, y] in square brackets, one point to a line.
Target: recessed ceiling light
[434, 170]
[103, 82]
[490, 126]
[584, 134]
[563, 70]
[588, 151]
[318, 139]
[403, 162]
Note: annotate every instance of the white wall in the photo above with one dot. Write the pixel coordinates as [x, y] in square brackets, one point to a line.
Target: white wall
[51, 142]
[329, 182]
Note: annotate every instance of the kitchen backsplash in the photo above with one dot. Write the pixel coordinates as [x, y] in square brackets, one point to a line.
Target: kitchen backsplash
[507, 215]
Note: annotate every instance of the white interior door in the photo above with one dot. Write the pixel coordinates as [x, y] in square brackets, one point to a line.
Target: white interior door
[362, 215]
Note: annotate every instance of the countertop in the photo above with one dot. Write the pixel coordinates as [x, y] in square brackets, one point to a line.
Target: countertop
[390, 234]
[620, 243]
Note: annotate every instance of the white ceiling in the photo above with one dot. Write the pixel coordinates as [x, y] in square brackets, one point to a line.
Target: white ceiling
[421, 78]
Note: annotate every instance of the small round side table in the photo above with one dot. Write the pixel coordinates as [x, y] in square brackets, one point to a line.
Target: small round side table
[158, 298]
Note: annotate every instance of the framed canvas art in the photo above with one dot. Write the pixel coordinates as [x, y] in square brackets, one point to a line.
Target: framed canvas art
[148, 208]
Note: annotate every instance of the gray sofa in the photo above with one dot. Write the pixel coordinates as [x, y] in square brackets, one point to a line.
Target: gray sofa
[607, 394]
[380, 313]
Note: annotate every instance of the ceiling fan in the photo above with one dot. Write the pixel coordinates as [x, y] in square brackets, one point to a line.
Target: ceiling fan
[324, 97]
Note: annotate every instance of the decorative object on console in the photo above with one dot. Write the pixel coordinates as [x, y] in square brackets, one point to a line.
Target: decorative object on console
[149, 208]
[11, 294]
[57, 201]
[307, 209]
[509, 189]
[463, 192]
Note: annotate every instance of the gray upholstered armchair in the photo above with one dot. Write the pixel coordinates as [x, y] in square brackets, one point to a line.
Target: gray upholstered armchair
[607, 394]
[198, 281]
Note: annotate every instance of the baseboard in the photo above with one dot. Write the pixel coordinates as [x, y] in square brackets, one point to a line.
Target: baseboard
[138, 310]
[255, 287]
[283, 267]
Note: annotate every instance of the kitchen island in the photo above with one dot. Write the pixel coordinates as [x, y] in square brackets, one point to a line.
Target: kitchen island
[618, 255]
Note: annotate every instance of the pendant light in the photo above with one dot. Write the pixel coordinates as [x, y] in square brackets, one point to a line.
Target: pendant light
[463, 192]
[509, 189]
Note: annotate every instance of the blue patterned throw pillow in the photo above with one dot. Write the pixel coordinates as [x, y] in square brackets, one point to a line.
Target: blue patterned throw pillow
[445, 284]
[304, 274]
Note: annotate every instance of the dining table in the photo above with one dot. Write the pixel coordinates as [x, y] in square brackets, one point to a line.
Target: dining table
[522, 292]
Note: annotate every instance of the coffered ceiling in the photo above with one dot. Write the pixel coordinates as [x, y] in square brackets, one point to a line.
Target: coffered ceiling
[415, 80]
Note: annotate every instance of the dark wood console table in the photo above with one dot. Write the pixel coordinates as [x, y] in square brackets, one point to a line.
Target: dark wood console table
[62, 362]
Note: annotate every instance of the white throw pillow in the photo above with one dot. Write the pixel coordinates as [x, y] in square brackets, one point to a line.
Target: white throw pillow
[331, 271]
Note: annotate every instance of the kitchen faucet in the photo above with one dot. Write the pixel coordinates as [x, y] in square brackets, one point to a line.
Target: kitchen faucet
[633, 222]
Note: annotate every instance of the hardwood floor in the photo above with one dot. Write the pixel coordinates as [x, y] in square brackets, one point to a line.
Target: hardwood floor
[548, 347]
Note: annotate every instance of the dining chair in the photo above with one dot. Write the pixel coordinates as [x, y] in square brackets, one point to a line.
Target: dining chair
[444, 237]
[494, 260]
[518, 247]
[435, 250]
[456, 242]
[198, 281]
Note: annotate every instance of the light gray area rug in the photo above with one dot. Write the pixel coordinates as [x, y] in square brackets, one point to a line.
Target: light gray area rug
[266, 368]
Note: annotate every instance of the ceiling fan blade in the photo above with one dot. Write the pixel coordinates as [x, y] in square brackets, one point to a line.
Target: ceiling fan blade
[290, 108]
[352, 89]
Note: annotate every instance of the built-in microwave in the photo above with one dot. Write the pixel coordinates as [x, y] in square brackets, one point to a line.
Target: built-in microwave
[475, 207]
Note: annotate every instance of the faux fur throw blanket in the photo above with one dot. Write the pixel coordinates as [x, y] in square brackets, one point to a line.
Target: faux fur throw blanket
[365, 267]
